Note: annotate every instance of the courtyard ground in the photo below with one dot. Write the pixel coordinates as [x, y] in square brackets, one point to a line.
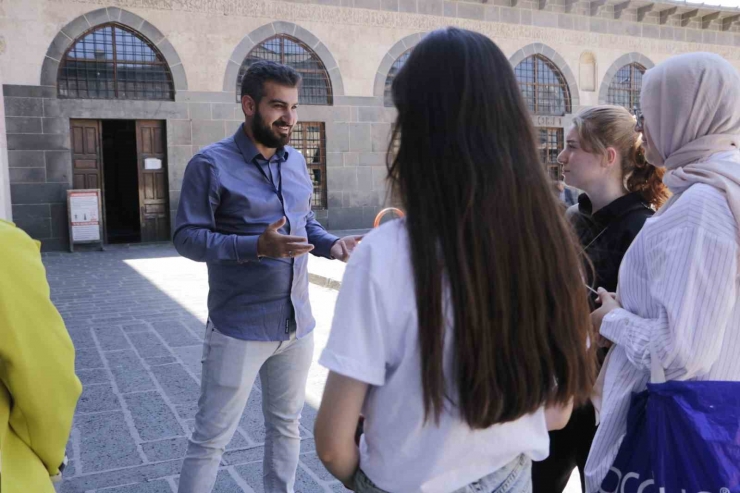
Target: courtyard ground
[136, 316]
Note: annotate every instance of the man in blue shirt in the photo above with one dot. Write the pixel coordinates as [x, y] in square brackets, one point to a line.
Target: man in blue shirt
[245, 210]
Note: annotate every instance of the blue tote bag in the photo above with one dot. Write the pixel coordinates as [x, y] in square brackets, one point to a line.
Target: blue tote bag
[682, 437]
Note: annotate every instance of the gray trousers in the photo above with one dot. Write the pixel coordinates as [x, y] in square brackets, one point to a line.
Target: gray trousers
[230, 367]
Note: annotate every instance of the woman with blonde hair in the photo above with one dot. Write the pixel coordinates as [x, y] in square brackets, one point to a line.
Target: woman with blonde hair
[605, 158]
[677, 305]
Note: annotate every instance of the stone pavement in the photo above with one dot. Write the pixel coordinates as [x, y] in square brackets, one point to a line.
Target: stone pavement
[137, 317]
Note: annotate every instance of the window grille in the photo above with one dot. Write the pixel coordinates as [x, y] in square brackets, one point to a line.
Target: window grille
[309, 138]
[114, 62]
[625, 87]
[316, 86]
[543, 86]
[550, 143]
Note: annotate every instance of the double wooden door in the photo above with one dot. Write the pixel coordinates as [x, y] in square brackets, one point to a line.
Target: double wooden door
[151, 163]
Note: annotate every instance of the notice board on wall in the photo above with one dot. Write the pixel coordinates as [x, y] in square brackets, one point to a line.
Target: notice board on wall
[85, 217]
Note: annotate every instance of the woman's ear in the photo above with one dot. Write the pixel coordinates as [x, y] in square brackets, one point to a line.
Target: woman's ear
[611, 157]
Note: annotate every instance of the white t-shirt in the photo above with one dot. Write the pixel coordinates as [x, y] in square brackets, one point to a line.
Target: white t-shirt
[374, 339]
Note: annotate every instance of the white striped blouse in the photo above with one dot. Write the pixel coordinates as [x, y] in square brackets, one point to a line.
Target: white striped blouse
[678, 284]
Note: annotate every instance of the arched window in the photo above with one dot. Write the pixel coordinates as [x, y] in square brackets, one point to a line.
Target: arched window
[387, 95]
[543, 86]
[625, 87]
[315, 88]
[114, 62]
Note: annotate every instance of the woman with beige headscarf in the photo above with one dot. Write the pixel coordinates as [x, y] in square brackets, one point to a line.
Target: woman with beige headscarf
[680, 280]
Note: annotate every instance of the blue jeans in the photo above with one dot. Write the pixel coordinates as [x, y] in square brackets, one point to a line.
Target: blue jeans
[230, 367]
[514, 477]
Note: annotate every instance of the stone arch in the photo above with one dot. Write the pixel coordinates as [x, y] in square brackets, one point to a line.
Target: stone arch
[84, 23]
[562, 65]
[280, 27]
[614, 68]
[398, 49]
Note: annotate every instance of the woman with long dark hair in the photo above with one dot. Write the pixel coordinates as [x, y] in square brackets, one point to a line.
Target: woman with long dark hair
[461, 331]
[604, 157]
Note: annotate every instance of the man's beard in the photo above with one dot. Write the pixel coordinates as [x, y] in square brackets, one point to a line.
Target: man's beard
[265, 135]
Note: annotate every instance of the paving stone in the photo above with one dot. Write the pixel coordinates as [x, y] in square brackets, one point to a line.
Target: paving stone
[86, 358]
[308, 416]
[177, 383]
[148, 345]
[238, 442]
[151, 344]
[252, 475]
[173, 448]
[304, 483]
[141, 474]
[226, 484]
[93, 377]
[112, 319]
[81, 338]
[244, 456]
[123, 359]
[138, 327]
[191, 356]
[132, 380]
[160, 486]
[175, 333]
[187, 411]
[153, 418]
[308, 445]
[111, 338]
[70, 470]
[164, 360]
[105, 443]
[313, 462]
[97, 398]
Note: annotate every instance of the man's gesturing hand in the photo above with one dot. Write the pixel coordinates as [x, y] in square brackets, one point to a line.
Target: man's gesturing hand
[274, 244]
[343, 248]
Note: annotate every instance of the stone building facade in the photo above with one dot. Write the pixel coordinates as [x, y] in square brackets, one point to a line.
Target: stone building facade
[580, 49]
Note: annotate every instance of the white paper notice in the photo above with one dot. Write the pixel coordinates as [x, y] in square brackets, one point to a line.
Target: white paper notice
[86, 233]
[152, 163]
[84, 216]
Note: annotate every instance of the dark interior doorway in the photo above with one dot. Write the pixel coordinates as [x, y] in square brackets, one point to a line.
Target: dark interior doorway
[121, 181]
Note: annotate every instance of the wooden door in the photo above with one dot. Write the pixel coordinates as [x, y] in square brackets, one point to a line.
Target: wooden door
[153, 189]
[87, 157]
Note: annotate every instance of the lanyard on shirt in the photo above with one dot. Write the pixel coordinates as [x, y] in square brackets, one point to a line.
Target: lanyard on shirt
[279, 189]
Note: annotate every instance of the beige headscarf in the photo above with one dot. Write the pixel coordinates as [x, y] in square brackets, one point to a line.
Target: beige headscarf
[691, 105]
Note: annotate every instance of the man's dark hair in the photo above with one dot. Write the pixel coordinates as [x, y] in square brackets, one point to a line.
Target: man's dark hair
[258, 73]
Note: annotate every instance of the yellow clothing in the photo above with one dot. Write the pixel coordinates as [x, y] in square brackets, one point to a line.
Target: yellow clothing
[38, 385]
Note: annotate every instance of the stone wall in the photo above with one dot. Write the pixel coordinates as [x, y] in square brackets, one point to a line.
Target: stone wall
[40, 160]
[5, 209]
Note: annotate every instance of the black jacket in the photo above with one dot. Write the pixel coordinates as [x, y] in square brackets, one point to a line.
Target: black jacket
[607, 234]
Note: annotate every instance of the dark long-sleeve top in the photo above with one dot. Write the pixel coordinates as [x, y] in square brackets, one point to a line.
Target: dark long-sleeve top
[230, 194]
[607, 234]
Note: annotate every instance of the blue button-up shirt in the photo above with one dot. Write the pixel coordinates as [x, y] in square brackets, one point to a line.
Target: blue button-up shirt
[226, 202]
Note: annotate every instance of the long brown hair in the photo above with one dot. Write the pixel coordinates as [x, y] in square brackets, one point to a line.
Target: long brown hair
[606, 126]
[487, 235]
